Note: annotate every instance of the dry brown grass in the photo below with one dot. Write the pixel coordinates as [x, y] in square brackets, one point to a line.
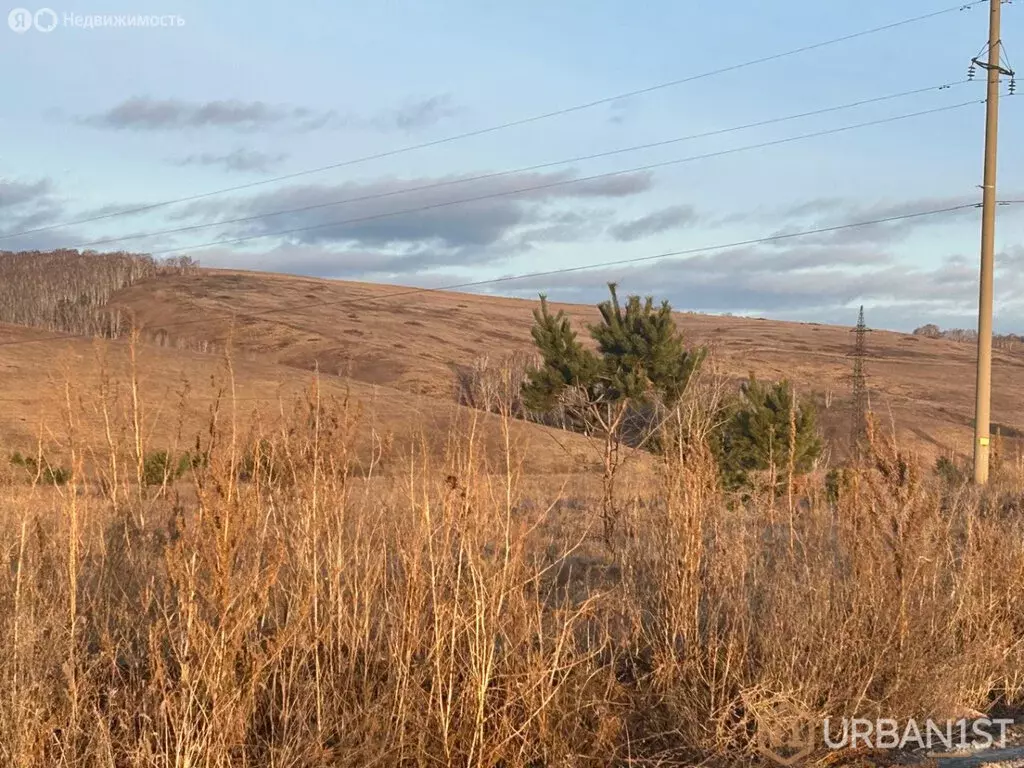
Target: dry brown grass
[456, 611]
[404, 353]
[177, 388]
[412, 343]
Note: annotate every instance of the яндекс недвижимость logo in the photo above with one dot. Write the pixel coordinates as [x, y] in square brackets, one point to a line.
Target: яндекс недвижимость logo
[21, 20]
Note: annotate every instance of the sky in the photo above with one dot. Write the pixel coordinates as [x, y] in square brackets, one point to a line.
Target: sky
[99, 119]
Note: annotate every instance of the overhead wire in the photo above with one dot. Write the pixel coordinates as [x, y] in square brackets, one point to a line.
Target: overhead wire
[514, 171]
[464, 285]
[502, 126]
[560, 182]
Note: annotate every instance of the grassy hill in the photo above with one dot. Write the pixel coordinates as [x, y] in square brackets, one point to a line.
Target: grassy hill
[178, 390]
[414, 341]
[397, 352]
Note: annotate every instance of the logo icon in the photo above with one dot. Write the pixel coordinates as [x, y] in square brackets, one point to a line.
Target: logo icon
[45, 20]
[20, 20]
[788, 747]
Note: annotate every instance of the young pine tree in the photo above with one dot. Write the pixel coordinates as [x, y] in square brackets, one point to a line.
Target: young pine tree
[642, 350]
[767, 430]
[564, 364]
[641, 368]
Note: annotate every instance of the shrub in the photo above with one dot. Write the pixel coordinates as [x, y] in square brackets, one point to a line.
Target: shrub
[191, 460]
[835, 483]
[495, 386]
[260, 462]
[158, 468]
[42, 472]
[161, 466]
[950, 472]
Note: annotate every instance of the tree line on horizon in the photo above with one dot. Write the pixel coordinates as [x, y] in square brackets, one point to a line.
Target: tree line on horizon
[69, 290]
[1005, 341]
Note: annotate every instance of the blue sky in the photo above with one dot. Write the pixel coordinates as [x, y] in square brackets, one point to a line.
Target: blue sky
[95, 118]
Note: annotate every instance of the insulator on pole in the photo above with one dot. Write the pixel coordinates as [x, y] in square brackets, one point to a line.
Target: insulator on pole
[971, 71]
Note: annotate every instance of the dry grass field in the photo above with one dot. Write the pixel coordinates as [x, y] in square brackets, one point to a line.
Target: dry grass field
[400, 350]
[177, 388]
[353, 570]
[413, 341]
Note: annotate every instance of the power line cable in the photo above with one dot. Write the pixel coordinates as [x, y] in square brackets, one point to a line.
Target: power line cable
[362, 301]
[563, 182]
[622, 262]
[506, 125]
[525, 169]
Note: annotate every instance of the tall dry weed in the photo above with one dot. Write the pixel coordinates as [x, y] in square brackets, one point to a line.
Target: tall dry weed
[289, 603]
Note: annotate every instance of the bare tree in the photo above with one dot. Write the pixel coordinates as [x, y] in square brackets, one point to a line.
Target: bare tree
[69, 290]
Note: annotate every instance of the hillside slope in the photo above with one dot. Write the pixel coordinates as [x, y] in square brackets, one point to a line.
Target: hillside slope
[178, 389]
[413, 341]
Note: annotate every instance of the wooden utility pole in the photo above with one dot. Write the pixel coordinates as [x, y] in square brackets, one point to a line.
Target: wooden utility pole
[983, 391]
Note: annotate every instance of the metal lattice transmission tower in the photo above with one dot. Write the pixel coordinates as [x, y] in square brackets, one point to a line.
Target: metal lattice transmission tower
[861, 397]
